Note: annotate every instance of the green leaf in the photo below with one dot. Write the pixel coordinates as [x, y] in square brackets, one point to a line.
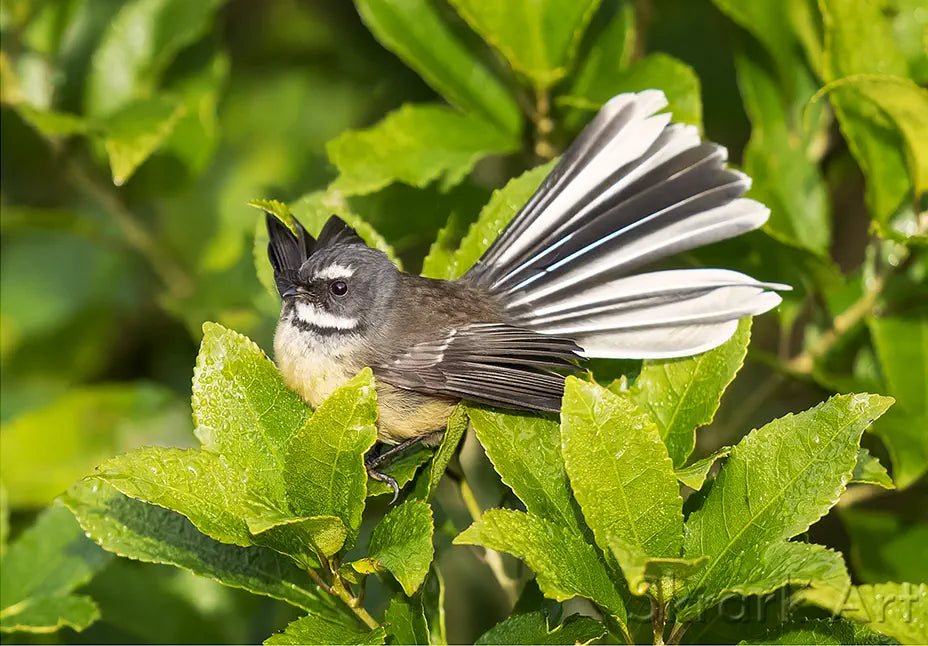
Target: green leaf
[493, 218]
[905, 105]
[50, 123]
[868, 470]
[675, 78]
[871, 138]
[402, 543]
[325, 459]
[313, 629]
[836, 631]
[50, 614]
[616, 459]
[902, 347]
[536, 476]
[534, 628]
[898, 610]
[416, 145]
[307, 540]
[454, 431]
[537, 38]
[41, 569]
[136, 131]
[4, 520]
[415, 31]
[73, 434]
[565, 565]
[202, 486]
[694, 475]
[243, 410]
[769, 22]
[681, 395]
[777, 481]
[136, 48]
[886, 547]
[610, 51]
[153, 534]
[405, 621]
[220, 501]
[779, 158]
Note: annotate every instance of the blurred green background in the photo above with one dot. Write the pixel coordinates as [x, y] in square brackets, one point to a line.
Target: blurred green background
[135, 132]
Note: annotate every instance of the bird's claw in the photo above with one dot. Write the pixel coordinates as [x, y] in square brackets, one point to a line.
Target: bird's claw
[387, 480]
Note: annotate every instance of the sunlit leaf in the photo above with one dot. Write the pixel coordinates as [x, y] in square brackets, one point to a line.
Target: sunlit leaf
[415, 144]
[615, 458]
[871, 137]
[324, 460]
[313, 629]
[243, 410]
[565, 565]
[537, 38]
[454, 432]
[694, 475]
[776, 482]
[673, 77]
[536, 474]
[681, 395]
[415, 31]
[868, 470]
[535, 628]
[402, 543]
[898, 610]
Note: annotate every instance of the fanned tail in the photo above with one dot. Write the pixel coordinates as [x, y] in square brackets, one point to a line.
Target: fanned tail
[632, 189]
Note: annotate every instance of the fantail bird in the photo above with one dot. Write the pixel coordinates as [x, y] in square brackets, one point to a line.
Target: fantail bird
[557, 285]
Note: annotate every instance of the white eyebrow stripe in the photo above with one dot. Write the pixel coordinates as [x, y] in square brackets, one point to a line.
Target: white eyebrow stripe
[335, 270]
[312, 315]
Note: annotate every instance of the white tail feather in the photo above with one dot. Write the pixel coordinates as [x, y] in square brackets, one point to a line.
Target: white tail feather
[633, 189]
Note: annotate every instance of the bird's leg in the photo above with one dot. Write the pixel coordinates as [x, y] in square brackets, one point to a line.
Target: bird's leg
[371, 462]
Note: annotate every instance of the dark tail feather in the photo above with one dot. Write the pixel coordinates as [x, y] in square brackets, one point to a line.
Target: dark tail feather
[632, 189]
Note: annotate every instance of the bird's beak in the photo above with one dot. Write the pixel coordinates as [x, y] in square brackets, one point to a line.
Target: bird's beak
[290, 291]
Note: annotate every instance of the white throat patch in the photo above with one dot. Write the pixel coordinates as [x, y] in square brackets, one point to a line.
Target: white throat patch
[334, 271]
[312, 315]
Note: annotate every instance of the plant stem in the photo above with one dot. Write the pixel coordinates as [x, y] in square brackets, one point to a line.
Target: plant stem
[172, 274]
[544, 126]
[843, 323]
[340, 590]
[493, 558]
[676, 633]
[849, 319]
[343, 593]
[657, 621]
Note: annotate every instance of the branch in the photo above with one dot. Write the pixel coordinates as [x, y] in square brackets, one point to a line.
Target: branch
[172, 275]
[338, 589]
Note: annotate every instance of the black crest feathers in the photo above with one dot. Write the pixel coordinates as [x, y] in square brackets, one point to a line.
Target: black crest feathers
[286, 251]
[336, 231]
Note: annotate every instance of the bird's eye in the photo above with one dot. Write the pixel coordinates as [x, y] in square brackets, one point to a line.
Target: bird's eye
[339, 288]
